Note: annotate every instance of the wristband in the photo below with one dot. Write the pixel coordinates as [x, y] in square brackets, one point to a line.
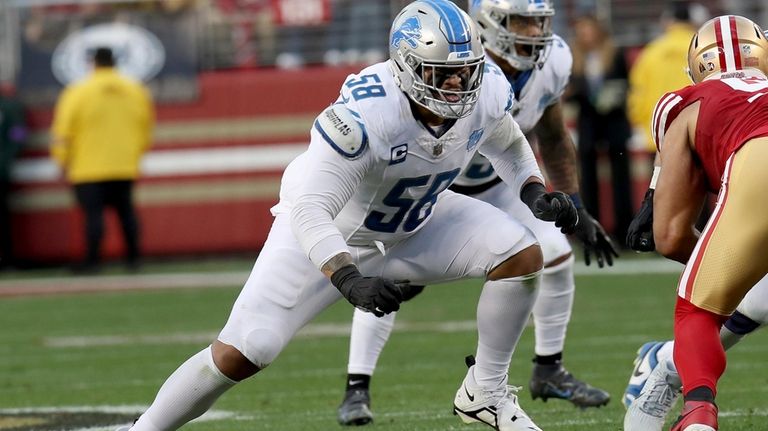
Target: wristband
[576, 199]
[655, 177]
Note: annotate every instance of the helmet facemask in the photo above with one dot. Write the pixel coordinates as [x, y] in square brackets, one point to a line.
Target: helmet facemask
[450, 90]
[437, 57]
[512, 42]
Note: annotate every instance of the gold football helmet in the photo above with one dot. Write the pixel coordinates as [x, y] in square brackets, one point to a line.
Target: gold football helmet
[727, 44]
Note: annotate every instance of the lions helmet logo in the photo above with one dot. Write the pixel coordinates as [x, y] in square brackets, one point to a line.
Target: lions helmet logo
[409, 31]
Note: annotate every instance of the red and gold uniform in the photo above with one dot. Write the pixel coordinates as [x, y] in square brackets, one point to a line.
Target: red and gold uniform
[731, 144]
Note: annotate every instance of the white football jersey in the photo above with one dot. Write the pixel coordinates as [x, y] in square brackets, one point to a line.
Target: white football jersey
[540, 89]
[383, 190]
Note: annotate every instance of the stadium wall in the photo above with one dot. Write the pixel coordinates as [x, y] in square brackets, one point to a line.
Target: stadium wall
[210, 178]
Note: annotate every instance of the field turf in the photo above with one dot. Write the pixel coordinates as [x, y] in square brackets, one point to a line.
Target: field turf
[114, 349]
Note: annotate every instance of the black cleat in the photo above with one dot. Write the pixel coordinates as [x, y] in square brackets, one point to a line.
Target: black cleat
[356, 408]
[554, 381]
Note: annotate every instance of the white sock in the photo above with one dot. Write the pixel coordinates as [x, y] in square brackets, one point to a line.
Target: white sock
[502, 313]
[552, 310]
[369, 335]
[188, 393]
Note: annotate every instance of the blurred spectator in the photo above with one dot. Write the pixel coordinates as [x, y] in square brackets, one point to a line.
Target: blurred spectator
[13, 133]
[661, 65]
[599, 87]
[358, 32]
[299, 21]
[102, 125]
[252, 31]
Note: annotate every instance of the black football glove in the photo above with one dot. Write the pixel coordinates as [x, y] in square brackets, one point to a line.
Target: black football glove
[375, 295]
[556, 207]
[596, 241]
[640, 231]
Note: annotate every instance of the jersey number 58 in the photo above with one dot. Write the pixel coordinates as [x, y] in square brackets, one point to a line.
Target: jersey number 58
[410, 212]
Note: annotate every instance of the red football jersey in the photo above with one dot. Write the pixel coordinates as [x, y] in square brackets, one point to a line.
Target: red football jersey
[732, 111]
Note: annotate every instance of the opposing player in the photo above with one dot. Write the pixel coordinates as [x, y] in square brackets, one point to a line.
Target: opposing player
[369, 197]
[517, 38]
[712, 136]
[654, 384]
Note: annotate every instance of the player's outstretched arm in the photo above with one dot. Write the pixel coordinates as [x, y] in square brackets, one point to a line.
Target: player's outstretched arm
[558, 155]
[553, 206]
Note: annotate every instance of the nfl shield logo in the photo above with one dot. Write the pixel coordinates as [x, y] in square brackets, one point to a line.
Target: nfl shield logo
[437, 149]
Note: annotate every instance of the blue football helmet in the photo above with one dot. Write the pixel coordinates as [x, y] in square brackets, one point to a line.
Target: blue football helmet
[518, 31]
[431, 42]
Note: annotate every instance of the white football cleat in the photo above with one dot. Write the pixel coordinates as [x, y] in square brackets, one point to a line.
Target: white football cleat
[648, 357]
[496, 407]
[649, 410]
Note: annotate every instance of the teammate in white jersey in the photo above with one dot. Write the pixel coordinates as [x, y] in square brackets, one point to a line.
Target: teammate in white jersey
[369, 197]
[537, 64]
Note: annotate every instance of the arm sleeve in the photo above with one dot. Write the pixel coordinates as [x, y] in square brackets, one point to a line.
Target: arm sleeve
[511, 154]
[330, 180]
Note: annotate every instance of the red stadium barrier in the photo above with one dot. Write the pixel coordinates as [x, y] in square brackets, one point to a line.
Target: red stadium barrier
[209, 180]
[211, 176]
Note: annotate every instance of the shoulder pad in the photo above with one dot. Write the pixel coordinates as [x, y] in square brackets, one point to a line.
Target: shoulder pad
[561, 57]
[340, 127]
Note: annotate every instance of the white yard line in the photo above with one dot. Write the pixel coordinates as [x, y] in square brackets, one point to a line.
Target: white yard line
[196, 280]
[309, 331]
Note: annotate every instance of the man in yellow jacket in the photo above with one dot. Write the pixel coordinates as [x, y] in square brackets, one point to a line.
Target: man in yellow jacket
[102, 126]
[661, 65]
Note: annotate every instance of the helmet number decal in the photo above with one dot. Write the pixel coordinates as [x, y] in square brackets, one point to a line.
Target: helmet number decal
[366, 86]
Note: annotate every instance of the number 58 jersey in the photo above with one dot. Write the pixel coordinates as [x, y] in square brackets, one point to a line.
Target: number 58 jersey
[373, 173]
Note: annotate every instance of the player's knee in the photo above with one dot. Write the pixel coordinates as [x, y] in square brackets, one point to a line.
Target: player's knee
[263, 345]
[526, 262]
[231, 362]
[558, 262]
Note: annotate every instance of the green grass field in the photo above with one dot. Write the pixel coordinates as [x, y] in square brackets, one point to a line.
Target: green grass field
[115, 349]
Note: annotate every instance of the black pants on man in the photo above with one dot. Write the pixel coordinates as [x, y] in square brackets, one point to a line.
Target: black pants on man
[93, 198]
[6, 233]
[609, 132]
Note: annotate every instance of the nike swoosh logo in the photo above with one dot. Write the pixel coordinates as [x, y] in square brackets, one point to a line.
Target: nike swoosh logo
[638, 373]
[355, 382]
[470, 396]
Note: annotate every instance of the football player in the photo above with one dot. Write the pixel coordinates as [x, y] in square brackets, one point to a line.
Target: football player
[711, 136]
[654, 384]
[517, 37]
[367, 204]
